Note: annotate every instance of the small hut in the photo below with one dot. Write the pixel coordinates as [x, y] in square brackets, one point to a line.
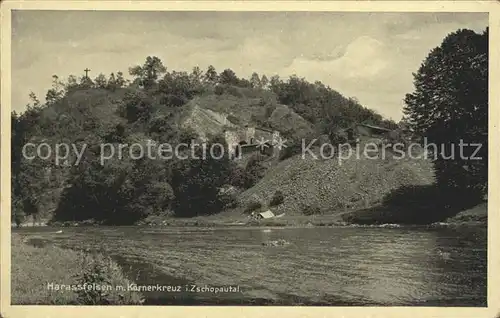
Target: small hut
[265, 215]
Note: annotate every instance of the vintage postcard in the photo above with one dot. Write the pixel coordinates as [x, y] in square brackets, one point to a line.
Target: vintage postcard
[248, 158]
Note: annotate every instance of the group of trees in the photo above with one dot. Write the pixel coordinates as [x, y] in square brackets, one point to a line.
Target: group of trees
[60, 88]
[327, 109]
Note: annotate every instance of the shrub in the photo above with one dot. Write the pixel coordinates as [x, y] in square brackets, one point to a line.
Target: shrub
[136, 106]
[228, 200]
[310, 209]
[219, 90]
[237, 177]
[233, 119]
[173, 100]
[117, 134]
[234, 91]
[254, 171]
[293, 148]
[269, 109]
[277, 199]
[155, 198]
[187, 135]
[103, 271]
[18, 215]
[252, 206]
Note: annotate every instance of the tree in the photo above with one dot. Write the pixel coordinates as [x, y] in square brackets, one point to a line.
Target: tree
[228, 77]
[149, 72]
[211, 75]
[100, 81]
[177, 88]
[275, 84]
[264, 81]
[111, 85]
[120, 81]
[72, 83]
[255, 80]
[450, 103]
[197, 182]
[86, 82]
[17, 141]
[56, 92]
[34, 99]
[196, 76]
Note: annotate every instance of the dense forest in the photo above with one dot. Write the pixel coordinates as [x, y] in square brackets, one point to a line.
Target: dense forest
[450, 100]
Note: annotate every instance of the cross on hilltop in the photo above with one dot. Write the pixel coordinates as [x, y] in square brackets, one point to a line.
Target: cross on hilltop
[87, 72]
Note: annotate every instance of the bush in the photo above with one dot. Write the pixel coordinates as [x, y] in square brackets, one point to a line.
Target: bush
[101, 270]
[310, 210]
[155, 198]
[277, 199]
[234, 91]
[254, 171]
[136, 106]
[339, 136]
[187, 136]
[293, 148]
[173, 100]
[228, 200]
[219, 90]
[236, 177]
[234, 120]
[252, 206]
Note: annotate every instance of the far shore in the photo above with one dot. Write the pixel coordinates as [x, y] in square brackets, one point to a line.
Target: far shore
[476, 216]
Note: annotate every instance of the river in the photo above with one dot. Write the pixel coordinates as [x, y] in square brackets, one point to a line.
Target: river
[320, 266]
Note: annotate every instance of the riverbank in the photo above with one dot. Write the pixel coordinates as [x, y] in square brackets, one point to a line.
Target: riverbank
[475, 216]
[377, 216]
[39, 271]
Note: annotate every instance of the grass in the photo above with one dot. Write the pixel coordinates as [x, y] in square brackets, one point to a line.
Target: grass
[33, 268]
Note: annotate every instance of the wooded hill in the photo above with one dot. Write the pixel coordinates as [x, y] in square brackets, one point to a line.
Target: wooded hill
[153, 106]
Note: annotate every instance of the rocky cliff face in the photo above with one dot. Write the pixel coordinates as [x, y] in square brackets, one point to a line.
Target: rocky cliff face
[206, 122]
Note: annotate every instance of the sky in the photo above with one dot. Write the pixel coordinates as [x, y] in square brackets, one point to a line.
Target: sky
[370, 56]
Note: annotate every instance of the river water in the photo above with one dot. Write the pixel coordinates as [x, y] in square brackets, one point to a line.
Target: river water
[320, 266]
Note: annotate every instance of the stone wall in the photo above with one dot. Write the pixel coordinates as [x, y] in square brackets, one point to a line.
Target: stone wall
[249, 136]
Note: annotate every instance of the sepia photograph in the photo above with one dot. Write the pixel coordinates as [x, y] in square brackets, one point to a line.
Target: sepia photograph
[248, 158]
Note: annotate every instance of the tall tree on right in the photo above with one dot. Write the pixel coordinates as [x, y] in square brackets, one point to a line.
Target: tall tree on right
[450, 105]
